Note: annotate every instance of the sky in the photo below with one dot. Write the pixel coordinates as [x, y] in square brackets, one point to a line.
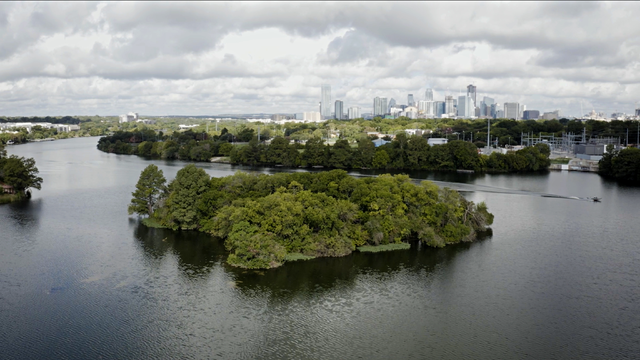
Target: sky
[181, 58]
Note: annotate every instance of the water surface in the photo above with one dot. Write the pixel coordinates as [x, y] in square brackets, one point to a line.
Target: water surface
[556, 279]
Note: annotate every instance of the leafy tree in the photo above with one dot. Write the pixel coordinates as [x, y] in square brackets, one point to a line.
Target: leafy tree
[186, 189]
[20, 172]
[341, 156]
[365, 153]
[150, 189]
[314, 152]
[381, 159]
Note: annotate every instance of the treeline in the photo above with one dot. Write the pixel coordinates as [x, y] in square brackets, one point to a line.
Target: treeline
[265, 218]
[187, 145]
[48, 119]
[402, 153]
[621, 165]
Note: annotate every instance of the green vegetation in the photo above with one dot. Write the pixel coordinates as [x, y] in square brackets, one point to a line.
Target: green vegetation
[621, 165]
[387, 247]
[297, 257]
[560, 160]
[89, 126]
[264, 218]
[20, 174]
[149, 189]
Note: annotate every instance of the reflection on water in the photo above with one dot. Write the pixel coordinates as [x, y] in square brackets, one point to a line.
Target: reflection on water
[196, 252]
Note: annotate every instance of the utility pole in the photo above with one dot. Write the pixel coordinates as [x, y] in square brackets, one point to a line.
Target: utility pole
[258, 133]
[627, 137]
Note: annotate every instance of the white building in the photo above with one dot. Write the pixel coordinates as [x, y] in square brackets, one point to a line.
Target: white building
[130, 117]
[354, 112]
[466, 109]
[312, 116]
[427, 108]
[325, 101]
[512, 111]
[437, 141]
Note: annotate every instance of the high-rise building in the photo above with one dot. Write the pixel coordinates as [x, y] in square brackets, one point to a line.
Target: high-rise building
[448, 106]
[465, 107]
[354, 112]
[427, 108]
[512, 111]
[638, 112]
[410, 101]
[440, 108]
[339, 110]
[391, 104]
[521, 109]
[379, 106]
[325, 101]
[530, 115]
[471, 92]
[485, 106]
[428, 95]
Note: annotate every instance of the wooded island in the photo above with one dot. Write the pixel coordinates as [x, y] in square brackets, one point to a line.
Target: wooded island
[266, 220]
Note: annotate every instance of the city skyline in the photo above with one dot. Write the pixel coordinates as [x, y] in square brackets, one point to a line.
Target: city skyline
[222, 58]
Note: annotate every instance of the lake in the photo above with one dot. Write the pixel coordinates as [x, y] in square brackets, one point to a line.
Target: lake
[558, 278]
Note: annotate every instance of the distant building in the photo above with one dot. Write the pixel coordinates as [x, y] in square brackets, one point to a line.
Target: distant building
[500, 114]
[130, 117]
[551, 115]
[379, 106]
[530, 115]
[449, 108]
[354, 112]
[391, 104]
[439, 108]
[638, 112]
[485, 107]
[427, 108]
[437, 141]
[410, 101]
[522, 109]
[465, 106]
[312, 116]
[279, 117]
[325, 101]
[512, 111]
[471, 92]
[428, 95]
[339, 110]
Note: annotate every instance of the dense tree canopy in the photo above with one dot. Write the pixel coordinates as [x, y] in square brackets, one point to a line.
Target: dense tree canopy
[262, 218]
[20, 172]
[622, 165]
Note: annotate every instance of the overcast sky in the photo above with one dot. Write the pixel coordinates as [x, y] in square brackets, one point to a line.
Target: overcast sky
[213, 58]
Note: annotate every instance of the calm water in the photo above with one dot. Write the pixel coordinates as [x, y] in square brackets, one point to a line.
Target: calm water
[80, 279]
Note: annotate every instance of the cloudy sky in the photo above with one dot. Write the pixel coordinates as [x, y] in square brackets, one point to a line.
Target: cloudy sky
[213, 58]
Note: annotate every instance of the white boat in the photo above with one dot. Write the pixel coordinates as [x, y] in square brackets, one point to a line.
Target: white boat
[10, 142]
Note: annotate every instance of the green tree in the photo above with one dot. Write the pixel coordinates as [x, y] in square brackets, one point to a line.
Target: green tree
[186, 189]
[341, 155]
[21, 173]
[381, 159]
[150, 189]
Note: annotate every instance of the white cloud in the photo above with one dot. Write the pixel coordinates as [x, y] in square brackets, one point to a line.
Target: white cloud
[208, 58]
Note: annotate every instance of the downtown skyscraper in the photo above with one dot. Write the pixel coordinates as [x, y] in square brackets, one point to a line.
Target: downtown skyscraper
[325, 101]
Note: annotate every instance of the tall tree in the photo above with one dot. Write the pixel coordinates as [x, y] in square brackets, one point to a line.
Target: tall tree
[20, 173]
[186, 189]
[151, 187]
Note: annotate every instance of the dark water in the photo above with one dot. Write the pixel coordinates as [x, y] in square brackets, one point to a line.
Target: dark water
[80, 279]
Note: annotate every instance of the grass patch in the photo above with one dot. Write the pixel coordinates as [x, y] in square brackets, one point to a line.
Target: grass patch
[8, 198]
[152, 223]
[560, 160]
[297, 256]
[388, 247]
